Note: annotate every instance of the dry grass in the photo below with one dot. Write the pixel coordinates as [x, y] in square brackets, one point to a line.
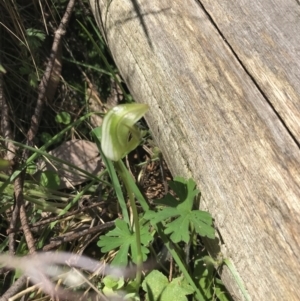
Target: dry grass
[48, 71]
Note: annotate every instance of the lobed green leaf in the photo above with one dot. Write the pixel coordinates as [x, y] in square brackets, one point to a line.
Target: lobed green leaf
[182, 213]
[123, 238]
[158, 288]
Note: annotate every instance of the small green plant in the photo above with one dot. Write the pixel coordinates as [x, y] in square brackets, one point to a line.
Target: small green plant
[117, 288]
[120, 135]
[4, 164]
[63, 117]
[175, 220]
[50, 179]
[157, 287]
[179, 216]
[124, 239]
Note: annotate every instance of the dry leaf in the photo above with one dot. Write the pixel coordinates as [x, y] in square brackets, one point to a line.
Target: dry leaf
[81, 153]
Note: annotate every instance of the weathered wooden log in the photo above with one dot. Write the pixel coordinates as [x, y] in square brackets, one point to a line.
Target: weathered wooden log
[222, 79]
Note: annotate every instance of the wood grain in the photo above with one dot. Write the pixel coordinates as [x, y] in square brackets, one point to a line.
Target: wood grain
[226, 116]
[265, 37]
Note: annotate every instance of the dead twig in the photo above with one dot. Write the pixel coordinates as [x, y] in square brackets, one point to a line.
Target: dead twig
[19, 206]
[12, 225]
[55, 218]
[58, 35]
[10, 154]
[74, 236]
[5, 125]
[18, 185]
[14, 289]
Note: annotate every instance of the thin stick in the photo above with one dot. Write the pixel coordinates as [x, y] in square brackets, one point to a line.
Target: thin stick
[10, 154]
[58, 35]
[5, 125]
[14, 289]
[70, 237]
[57, 218]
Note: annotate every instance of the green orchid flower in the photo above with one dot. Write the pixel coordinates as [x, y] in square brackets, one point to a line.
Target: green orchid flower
[120, 135]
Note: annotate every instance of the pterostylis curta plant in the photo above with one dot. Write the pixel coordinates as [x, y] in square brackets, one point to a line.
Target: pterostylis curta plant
[121, 135]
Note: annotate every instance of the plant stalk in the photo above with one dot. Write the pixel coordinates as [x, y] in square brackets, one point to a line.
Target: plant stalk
[122, 171]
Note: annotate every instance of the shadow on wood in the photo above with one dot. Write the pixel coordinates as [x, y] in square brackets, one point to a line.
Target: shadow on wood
[222, 81]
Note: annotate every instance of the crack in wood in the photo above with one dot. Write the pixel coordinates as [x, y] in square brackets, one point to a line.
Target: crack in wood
[248, 72]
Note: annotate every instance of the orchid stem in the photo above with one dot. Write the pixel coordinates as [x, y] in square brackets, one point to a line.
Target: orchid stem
[120, 167]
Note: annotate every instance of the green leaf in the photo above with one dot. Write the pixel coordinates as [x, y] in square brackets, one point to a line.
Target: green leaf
[63, 117]
[182, 213]
[220, 291]
[45, 137]
[123, 238]
[25, 70]
[113, 282]
[38, 34]
[50, 179]
[33, 80]
[4, 164]
[31, 168]
[158, 288]
[203, 274]
[35, 38]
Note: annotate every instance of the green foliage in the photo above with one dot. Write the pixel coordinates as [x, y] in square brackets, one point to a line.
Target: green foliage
[123, 238]
[4, 164]
[117, 288]
[182, 213]
[112, 285]
[27, 70]
[97, 134]
[50, 179]
[63, 117]
[31, 168]
[35, 38]
[44, 136]
[220, 291]
[158, 288]
[180, 210]
[204, 274]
